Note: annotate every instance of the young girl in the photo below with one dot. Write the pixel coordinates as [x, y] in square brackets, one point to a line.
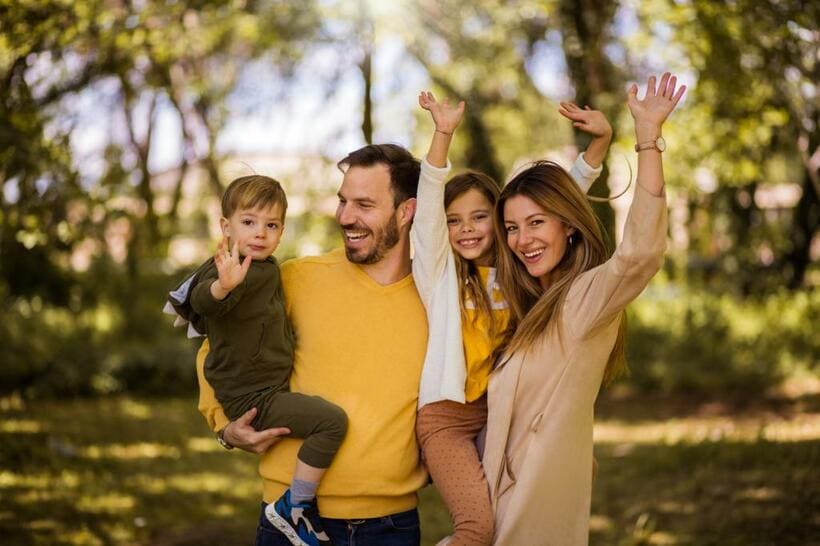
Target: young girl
[453, 268]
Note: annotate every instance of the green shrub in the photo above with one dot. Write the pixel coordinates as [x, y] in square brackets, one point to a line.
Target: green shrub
[680, 340]
[112, 346]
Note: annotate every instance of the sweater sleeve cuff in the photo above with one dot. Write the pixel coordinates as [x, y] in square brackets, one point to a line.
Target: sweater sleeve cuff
[211, 306]
[435, 173]
[585, 169]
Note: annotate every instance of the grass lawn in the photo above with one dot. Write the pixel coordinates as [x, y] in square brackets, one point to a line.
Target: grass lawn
[143, 471]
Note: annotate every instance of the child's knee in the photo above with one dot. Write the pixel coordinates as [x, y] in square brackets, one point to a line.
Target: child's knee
[336, 422]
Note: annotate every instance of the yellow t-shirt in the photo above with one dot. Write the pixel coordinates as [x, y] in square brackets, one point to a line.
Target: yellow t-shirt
[479, 344]
[361, 346]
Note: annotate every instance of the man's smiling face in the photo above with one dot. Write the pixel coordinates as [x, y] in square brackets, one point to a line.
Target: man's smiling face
[367, 214]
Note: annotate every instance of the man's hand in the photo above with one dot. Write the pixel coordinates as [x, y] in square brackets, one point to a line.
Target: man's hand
[241, 434]
[445, 117]
[590, 121]
[231, 271]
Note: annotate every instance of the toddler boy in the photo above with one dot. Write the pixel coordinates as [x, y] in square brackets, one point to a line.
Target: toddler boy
[236, 299]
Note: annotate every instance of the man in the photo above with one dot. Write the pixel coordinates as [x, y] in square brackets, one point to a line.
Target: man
[361, 334]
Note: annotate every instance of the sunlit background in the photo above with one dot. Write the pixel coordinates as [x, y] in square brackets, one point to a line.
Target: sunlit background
[121, 122]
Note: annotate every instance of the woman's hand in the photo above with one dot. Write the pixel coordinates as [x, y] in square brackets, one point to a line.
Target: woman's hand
[445, 117]
[590, 121]
[657, 104]
[241, 434]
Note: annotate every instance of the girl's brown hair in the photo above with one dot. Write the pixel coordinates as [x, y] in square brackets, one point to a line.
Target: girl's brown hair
[472, 288]
[533, 308]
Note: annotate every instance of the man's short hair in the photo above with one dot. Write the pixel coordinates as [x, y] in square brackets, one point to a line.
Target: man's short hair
[404, 168]
[253, 191]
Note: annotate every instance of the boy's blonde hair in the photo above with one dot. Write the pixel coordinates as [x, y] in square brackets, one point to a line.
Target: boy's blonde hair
[253, 191]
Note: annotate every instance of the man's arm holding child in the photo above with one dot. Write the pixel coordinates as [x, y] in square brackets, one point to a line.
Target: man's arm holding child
[237, 433]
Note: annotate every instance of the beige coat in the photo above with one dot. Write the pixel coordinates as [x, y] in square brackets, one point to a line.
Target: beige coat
[538, 457]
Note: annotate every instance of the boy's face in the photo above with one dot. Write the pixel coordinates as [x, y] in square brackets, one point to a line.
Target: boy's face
[258, 230]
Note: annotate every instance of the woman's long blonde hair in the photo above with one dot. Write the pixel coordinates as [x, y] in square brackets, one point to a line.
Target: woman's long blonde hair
[534, 309]
[471, 287]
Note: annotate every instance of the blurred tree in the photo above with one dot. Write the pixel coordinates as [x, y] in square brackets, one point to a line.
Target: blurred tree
[128, 60]
[182, 55]
[755, 114]
[477, 51]
[484, 52]
[587, 34]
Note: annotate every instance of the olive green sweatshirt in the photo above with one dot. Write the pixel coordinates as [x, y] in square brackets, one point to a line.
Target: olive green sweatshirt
[250, 336]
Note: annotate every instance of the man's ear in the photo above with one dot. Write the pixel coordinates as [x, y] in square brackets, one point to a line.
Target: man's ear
[407, 211]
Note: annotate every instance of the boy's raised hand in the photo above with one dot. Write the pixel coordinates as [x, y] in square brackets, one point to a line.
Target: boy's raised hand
[231, 271]
[445, 117]
[590, 121]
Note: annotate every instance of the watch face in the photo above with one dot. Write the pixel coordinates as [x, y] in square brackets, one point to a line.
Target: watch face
[661, 144]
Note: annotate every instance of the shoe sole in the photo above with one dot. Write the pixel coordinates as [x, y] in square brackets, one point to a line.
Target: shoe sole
[283, 526]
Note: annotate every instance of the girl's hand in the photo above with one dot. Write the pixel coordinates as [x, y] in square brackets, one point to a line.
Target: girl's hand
[231, 271]
[445, 117]
[652, 111]
[590, 121]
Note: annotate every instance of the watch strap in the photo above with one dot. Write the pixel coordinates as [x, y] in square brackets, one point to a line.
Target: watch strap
[655, 144]
[220, 438]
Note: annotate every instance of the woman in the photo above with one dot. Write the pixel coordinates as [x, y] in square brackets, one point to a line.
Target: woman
[566, 331]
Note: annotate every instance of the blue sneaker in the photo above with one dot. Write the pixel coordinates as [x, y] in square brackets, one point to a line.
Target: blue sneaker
[300, 523]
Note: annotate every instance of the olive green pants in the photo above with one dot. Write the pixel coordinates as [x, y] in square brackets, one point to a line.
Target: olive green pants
[323, 425]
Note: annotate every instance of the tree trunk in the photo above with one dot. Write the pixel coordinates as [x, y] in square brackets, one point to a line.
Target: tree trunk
[584, 35]
[365, 31]
[804, 227]
[367, 118]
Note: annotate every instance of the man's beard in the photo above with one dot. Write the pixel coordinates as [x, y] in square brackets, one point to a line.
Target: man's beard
[383, 240]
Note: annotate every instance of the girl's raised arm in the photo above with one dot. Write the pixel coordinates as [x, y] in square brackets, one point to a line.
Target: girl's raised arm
[594, 123]
[446, 119]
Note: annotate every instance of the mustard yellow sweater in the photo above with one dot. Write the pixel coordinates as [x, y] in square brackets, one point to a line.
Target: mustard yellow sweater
[359, 345]
[479, 341]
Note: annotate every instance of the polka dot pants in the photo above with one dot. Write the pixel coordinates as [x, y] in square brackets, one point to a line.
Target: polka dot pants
[447, 431]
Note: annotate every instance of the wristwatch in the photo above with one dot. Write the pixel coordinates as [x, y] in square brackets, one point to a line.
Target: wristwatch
[657, 144]
[220, 437]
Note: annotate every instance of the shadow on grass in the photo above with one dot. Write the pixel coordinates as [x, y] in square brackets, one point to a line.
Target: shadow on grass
[724, 492]
[120, 471]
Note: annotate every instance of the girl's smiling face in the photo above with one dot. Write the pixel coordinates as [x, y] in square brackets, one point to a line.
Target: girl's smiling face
[470, 225]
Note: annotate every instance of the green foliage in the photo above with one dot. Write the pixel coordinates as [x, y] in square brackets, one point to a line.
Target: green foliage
[681, 340]
[100, 348]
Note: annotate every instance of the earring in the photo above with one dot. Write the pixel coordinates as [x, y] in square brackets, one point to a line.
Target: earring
[569, 240]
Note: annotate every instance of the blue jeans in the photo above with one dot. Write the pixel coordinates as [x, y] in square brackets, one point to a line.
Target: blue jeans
[400, 529]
